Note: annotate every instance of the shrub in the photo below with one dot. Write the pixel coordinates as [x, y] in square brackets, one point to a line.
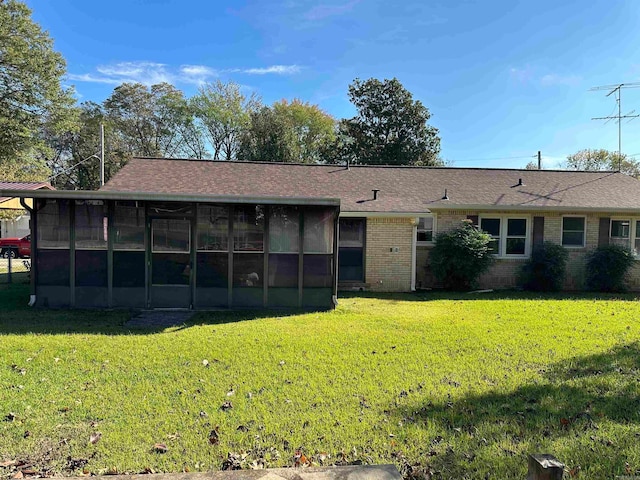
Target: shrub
[607, 267]
[460, 256]
[545, 270]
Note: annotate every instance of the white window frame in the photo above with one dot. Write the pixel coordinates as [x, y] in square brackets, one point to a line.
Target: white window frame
[502, 238]
[584, 232]
[633, 222]
[433, 230]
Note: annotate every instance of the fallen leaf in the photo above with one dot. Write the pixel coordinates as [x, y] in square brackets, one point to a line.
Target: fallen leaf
[281, 363]
[242, 428]
[95, 437]
[10, 417]
[214, 436]
[18, 474]
[230, 393]
[8, 463]
[160, 448]
[26, 434]
[226, 406]
[205, 362]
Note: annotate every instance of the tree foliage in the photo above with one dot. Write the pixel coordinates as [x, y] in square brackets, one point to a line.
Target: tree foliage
[288, 132]
[607, 267]
[151, 121]
[223, 113]
[390, 127]
[33, 103]
[593, 160]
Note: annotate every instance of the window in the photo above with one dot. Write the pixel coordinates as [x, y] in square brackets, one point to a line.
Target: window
[492, 227]
[620, 233]
[425, 229]
[170, 235]
[284, 229]
[128, 226]
[573, 231]
[516, 236]
[213, 228]
[53, 224]
[91, 224]
[626, 233]
[248, 229]
[509, 235]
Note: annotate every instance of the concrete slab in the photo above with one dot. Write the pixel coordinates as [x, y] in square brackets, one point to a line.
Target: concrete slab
[159, 319]
[352, 472]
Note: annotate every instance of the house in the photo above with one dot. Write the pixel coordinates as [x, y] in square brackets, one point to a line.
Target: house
[14, 218]
[389, 216]
[206, 234]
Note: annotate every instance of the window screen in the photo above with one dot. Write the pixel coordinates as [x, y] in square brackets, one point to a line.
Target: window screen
[53, 224]
[171, 235]
[91, 224]
[128, 226]
[284, 229]
[248, 229]
[213, 228]
[318, 231]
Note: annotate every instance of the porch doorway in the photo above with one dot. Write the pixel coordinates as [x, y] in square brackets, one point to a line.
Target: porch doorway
[171, 265]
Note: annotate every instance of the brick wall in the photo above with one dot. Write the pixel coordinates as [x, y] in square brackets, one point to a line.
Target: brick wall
[503, 274]
[387, 270]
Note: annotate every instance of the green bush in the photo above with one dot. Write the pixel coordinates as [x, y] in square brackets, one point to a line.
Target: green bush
[607, 267]
[460, 256]
[545, 270]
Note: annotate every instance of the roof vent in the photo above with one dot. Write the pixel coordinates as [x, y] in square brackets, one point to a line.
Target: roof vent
[375, 193]
[445, 197]
[520, 183]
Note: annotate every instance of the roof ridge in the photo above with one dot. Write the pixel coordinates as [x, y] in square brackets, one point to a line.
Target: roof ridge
[407, 167]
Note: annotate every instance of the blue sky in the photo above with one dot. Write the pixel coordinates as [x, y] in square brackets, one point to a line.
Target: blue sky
[502, 79]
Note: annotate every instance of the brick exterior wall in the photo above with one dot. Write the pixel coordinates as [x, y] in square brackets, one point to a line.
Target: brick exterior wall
[387, 270]
[503, 274]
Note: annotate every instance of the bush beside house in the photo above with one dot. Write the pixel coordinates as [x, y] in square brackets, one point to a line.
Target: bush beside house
[545, 270]
[607, 267]
[460, 256]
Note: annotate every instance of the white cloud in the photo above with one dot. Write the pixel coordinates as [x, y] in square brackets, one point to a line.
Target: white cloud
[527, 74]
[150, 73]
[273, 69]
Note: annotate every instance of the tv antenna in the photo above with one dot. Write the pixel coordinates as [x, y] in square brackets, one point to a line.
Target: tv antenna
[617, 90]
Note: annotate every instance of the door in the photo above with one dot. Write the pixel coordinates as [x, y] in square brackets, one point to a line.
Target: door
[171, 269]
[351, 250]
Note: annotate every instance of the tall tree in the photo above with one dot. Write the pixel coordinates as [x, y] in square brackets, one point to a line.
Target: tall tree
[223, 113]
[313, 130]
[269, 138]
[33, 103]
[599, 159]
[151, 121]
[390, 127]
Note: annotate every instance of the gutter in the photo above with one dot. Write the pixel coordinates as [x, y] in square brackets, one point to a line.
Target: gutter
[414, 242]
[534, 208]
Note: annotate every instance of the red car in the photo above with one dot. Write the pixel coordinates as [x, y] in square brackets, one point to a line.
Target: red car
[15, 247]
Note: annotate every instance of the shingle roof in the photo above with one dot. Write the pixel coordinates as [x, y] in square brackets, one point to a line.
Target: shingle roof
[402, 189]
[22, 186]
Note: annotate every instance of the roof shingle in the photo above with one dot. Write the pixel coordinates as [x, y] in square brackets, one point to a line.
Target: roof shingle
[402, 189]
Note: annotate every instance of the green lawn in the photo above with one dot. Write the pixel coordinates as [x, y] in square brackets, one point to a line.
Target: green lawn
[461, 385]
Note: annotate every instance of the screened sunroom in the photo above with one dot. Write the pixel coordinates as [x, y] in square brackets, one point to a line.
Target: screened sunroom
[109, 249]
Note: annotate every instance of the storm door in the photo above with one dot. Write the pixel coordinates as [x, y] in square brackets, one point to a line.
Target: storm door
[171, 268]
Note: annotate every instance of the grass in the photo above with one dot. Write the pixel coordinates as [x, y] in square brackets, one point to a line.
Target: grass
[461, 386]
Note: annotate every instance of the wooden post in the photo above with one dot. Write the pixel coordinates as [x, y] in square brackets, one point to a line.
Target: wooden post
[543, 466]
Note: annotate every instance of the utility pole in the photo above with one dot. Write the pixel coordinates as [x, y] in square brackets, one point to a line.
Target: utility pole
[539, 160]
[617, 89]
[101, 154]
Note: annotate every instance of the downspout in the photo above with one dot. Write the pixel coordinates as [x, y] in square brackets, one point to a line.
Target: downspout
[413, 254]
[32, 220]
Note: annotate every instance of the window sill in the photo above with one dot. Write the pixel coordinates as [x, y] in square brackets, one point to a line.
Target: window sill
[425, 244]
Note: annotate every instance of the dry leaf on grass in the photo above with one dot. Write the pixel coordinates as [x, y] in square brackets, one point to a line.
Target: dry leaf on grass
[95, 437]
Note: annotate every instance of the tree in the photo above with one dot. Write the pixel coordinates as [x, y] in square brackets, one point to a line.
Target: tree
[33, 103]
[269, 138]
[313, 130]
[390, 127]
[591, 160]
[152, 121]
[531, 166]
[223, 113]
